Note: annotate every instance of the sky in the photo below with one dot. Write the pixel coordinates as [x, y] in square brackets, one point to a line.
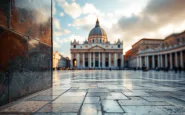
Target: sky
[127, 20]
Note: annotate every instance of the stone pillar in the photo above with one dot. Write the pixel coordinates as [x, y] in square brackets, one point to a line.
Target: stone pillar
[103, 59]
[171, 61]
[158, 60]
[147, 64]
[93, 59]
[71, 61]
[176, 60]
[166, 60]
[99, 60]
[83, 60]
[122, 60]
[153, 61]
[115, 59]
[141, 64]
[78, 60]
[137, 61]
[89, 59]
[110, 59]
[161, 60]
[181, 59]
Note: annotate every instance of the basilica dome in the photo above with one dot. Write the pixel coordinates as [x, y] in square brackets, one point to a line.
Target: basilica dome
[97, 34]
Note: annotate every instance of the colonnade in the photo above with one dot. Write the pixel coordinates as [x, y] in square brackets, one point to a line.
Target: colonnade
[162, 60]
[97, 60]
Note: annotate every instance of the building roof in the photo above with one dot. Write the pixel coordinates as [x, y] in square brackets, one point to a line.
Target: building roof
[154, 39]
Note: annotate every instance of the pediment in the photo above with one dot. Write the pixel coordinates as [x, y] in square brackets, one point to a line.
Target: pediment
[96, 48]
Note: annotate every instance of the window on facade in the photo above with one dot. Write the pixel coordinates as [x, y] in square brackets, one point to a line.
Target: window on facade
[93, 41]
[118, 55]
[178, 39]
[100, 41]
[96, 54]
[118, 46]
[74, 55]
[74, 46]
[182, 39]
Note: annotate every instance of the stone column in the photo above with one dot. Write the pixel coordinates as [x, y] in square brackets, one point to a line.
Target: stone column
[171, 61]
[137, 61]
[83, 60]
[115, 59]
[109, 59]
[99, 60]
[93, 59]
[161, 60]
[158, 60]
[147, 65]
[71, 62]
[166, 60]
[181, 59]
[176, 60]
[103, 59]
[89, 59]
[122, 60]
[78, 60]
[153, 61]
[141, 64]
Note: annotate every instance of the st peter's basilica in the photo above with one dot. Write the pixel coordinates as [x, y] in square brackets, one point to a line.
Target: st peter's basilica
[97, 52]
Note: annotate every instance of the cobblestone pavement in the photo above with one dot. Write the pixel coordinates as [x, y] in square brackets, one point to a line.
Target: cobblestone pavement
[103, 92]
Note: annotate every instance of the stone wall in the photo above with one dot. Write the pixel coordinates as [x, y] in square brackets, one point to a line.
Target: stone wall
[25, 48]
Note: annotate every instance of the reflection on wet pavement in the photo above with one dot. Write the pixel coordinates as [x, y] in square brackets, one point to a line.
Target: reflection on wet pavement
[103, 92]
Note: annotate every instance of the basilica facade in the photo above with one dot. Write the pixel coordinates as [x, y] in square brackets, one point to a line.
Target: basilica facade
[97, 51]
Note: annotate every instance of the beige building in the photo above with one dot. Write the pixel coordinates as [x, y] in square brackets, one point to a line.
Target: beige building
[60, 61]
[152, 53]
[97, 52]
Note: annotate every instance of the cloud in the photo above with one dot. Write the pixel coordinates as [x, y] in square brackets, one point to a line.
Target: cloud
[57, 33]
[56, 44]
[56, 23]
[61, 14]
[73, 9]
[90, 9]
[70, 38]
[154, 18]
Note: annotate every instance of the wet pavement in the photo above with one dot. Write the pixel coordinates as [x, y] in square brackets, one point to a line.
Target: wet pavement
[103, 92]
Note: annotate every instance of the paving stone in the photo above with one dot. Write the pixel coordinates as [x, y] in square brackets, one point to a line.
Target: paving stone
[62, 108]
[43, 98]
[69, 99]
[153, 98]
[91, 109]
[54, 113]
[114, 96]
[53, 92]
[26, 106]
[92, 100]
[74, 94]
[95, 94]
[97, 90]
[114, 113]
[143, 110]
[111, 106]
